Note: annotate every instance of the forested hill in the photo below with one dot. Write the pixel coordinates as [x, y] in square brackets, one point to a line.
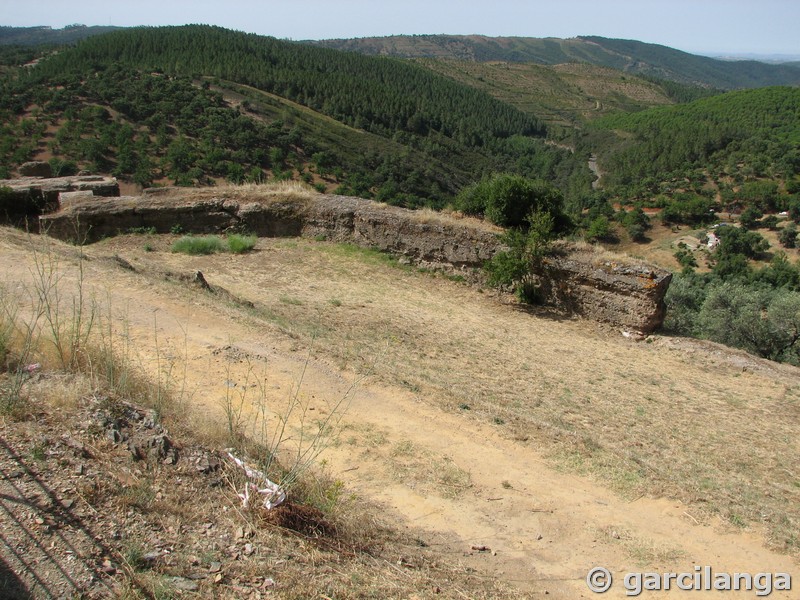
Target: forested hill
[755, 133]
[627, 55]
[195, 105]
[378, 95]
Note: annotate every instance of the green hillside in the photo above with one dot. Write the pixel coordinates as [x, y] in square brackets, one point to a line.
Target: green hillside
[564, 95]
[376, 94]
[745, 134]
[668, 63]
[374, 127]
[625, 55]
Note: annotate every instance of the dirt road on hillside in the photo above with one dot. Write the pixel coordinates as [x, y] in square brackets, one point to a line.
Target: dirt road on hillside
[420, 435]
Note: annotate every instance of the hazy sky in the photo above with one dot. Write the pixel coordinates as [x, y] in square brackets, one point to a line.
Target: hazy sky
[701, 26]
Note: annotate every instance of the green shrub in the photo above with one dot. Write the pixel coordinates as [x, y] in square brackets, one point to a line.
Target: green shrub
[239, 244]
[684, 299]
[600, 230]
[749, 217]
[62, 168]
[518, 266]
[142, 230]
[636, 223]
[685, 258]
[753, 316]
[788, 236]
[508, 200]
[770, 222]
[188, 244]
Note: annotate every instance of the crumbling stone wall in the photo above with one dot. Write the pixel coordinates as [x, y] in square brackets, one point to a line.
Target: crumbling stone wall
[626, 293]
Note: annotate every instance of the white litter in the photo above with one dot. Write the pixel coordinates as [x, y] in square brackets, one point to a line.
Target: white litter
[273, 494]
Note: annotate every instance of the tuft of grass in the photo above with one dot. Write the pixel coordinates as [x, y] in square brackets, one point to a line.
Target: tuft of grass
[198, 245]
[643, 551]
[239, 244]
[211, 244]
[419, 468]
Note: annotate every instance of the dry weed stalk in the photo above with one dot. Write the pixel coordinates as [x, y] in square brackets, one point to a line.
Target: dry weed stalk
[52, 319]
[288, 437]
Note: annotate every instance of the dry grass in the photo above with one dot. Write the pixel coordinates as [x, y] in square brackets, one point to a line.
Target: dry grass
[600, 254]
[277, 191]
[642, 551]
[356, 557]
[420, 469]
[202, 524]
[445, 217]
[647, 418]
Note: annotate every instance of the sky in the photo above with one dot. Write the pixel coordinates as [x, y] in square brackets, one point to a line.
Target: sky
[698, 26]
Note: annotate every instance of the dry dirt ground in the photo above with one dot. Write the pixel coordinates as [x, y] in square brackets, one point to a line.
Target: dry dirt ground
[554, 443]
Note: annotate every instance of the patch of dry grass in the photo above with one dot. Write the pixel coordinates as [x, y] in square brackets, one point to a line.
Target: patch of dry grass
[420, 469]
[274, 191]
[445, 217]
[600, 254]
[642, 551]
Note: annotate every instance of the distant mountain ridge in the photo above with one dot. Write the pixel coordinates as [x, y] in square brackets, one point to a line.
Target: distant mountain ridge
[35, 36]
[626, 55]
[638, 58]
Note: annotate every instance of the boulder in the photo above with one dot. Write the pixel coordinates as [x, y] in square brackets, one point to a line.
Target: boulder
[35, 195]
[36, 168]
[69, 198]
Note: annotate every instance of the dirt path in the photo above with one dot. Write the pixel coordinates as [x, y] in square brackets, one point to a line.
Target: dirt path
[459, 481]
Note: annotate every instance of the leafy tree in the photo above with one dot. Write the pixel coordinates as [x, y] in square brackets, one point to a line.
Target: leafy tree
[731, 266]
[734, 240]
[759, 319]
[770, 222]
[749, 217]
[763, 195]
[636, 223]
[600, 230]
[684, 299]
[62, 168]
[783, 314]
[735, 247]
[788, 236]
[732, 314]
[794, 209]
[780, 273]
[508, 200]
[691, 209]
